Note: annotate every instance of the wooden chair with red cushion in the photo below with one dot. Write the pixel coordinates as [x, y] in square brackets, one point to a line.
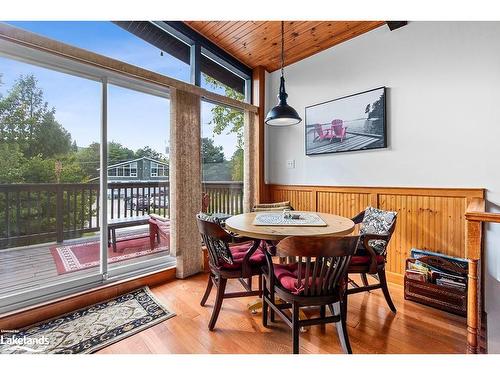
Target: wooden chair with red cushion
[376, 229]
[317, 278]
[159, 230]
[229, 257]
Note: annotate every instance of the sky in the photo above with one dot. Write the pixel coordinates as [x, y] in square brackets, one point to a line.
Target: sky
[135, 119]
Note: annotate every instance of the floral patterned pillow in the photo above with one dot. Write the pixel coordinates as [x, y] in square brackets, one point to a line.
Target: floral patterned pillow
[377, 221]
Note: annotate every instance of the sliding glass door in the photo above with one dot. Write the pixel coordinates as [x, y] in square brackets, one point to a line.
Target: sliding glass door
[49, 202]
[75, 214]
[138, 132]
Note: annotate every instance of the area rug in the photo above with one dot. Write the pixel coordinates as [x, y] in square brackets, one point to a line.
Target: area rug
[79, 256]
[89, 329]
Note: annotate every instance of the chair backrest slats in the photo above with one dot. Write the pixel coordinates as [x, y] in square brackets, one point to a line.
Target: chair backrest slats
[322, 261]
[313, 277]
[324, 267]
[307, 276]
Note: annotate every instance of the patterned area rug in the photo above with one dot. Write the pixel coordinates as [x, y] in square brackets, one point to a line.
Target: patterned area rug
[89, 329]
[70, 258]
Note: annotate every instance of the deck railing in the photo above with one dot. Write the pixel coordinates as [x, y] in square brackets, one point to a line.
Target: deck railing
[37, 213]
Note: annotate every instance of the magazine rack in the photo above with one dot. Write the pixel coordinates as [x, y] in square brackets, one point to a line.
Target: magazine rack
[441, 297]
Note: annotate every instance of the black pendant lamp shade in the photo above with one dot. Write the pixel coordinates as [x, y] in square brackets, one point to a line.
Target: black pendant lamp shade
[282, 114]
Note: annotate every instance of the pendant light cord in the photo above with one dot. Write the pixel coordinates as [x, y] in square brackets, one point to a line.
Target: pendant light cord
[282, 48]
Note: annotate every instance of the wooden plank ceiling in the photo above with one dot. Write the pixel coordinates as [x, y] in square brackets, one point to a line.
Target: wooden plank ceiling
[258, 42]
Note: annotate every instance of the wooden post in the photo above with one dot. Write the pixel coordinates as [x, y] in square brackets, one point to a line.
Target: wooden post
[259, 100]
[474, 308]
[473, 315]
[250, 160]
[59, 214]
[185, 181]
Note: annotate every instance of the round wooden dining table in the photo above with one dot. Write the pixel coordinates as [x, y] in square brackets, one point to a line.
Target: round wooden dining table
[244, 225]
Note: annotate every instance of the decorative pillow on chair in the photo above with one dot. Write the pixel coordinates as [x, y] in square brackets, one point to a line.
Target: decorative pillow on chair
[377, 221]
[220, 247]
[208, 217]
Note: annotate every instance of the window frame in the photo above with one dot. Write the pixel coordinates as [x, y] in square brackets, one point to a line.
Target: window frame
[202, 46]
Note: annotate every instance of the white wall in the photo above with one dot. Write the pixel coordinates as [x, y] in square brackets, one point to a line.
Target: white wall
[443, 101]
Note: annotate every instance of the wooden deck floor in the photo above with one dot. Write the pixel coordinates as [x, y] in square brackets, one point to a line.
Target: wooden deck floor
[25, 268]
[349, 143]
[371, 325]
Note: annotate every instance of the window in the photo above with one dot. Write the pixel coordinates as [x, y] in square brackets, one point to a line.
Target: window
[49, 153]
[222, 158]
[137, 43]
[133, 170]
[164, 47]
[158, 170]
[218, 79]
[51, 131]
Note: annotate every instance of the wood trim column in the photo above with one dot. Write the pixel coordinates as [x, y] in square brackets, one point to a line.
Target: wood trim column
[250, 161]
[474, 305]
[185, 181]
[259, 100]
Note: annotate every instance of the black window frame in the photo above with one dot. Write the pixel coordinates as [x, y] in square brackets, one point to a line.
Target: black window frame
[200, 49]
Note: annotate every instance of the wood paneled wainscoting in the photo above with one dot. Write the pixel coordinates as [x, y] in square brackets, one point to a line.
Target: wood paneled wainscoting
[428, 218]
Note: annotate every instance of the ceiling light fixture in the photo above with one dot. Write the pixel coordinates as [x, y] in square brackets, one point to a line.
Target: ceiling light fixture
[282, 114]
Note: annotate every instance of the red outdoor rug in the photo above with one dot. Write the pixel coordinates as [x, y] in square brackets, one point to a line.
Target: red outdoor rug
[76, 257]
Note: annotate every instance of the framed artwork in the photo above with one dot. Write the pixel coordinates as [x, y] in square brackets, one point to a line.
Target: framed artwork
[351, 123]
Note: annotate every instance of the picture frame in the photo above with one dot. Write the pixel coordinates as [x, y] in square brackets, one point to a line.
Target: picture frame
[353, 122]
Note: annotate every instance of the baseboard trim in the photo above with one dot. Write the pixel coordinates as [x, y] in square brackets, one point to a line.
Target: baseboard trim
[33, 314]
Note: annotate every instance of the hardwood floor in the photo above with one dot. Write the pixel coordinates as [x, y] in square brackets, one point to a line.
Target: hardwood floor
[371, 325]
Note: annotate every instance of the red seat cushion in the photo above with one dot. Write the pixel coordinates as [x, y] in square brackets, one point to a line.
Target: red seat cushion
[288, 276]
[238, 253]
[359, 260]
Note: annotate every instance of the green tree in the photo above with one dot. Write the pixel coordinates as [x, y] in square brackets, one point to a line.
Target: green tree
[237, 165]
[118, 153]
[211, 153]
[148, 152]
[11, 160]
[27, 120]
[229, 120]
[88, 159]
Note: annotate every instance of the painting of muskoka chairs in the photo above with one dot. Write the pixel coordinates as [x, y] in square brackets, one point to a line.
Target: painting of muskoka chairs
[350, 123]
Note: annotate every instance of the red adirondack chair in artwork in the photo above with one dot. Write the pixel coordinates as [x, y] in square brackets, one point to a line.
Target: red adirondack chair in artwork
[338, 129]
[323, 134]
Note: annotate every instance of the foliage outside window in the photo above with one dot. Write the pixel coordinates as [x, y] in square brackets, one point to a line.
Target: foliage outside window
[228, 121]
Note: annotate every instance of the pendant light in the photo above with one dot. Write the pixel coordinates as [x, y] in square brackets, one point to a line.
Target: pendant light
[282, 114]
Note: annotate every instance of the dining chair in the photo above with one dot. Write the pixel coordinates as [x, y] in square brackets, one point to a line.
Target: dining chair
[229, 257]
[376, 229]
[317, 278]
[276, 206]
[159, 230]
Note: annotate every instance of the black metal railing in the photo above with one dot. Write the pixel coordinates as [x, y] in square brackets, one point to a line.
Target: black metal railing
[37, 213]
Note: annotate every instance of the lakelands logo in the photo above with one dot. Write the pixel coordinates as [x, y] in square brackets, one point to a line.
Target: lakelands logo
[23, 343]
